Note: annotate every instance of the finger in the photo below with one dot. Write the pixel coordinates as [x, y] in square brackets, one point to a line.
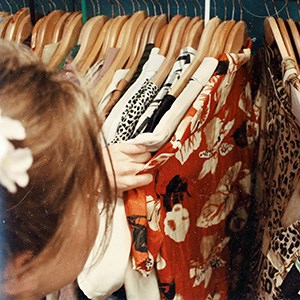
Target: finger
[140, 158]
[133, 182]
[133, 149]
[128, 169]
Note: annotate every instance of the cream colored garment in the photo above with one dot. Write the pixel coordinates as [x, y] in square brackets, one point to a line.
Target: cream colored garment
[101, 276]
[169, 122]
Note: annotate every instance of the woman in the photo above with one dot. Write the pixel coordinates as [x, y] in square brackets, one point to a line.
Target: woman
[52, 169]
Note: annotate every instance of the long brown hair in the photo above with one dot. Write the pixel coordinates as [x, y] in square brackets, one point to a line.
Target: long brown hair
[62, 130]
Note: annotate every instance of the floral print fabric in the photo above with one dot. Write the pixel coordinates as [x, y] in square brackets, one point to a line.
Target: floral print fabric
[183, 223]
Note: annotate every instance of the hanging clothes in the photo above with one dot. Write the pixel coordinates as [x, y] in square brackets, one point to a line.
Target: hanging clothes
[183, 222]
[120, 85]
[183, 61]
[149, 70]
[277, 246]
[172, 109]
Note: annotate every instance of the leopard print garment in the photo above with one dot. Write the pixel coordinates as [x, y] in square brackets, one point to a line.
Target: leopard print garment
[276, 247]
[135, 107]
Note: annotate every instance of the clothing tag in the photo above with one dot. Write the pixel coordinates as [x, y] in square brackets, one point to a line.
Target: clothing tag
[48, 52]
[295, 95]
[69, 58]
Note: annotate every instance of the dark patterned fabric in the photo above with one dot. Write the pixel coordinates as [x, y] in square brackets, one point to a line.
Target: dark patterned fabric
[276, 247]
[135, 107]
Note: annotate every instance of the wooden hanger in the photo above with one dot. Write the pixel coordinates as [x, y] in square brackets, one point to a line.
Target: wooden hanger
[272, 34]
[68, 41]
[173, 52]
[125, 43]
[190, 25]
[88, 35]
[60, 25]
[287, 40]
[4, 24]
[34, 33]
[92, 57]
[195, 35]
[202, 52]
[12, 28]
[219, 39]
[295, 34]
[145, 39]
[237, 38]
[137, 41]
[113, 35]
[46, 29]
[166, 41]
[160, 36]
[25, 29]
[159, 23]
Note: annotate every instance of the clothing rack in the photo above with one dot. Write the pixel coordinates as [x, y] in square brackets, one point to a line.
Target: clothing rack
[252, 12]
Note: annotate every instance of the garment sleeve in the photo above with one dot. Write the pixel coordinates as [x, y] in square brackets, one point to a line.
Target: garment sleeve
[102, 275]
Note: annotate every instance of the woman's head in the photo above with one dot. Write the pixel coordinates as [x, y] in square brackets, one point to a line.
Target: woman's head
[55, 215]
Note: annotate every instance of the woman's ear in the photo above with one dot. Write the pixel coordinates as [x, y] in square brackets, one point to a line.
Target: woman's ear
[21, 259]
[14, 285]
[15, 264]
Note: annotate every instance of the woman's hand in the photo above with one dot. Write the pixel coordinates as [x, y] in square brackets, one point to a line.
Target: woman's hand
[127, 161]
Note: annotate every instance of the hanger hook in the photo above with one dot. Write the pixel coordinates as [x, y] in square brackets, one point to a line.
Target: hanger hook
[160, 6]
[94, 7]
[16, 5]
[177, 7]
[138, 5]
[147, 7]
[66, 6]
[232, 9]
[121, 6]
[50, 3]
[10, 7]
[195, 8]
[119, 9]
[215, 7]
[267, 8]
[154, 8]
[133, 5]
[241, 9]
[43, 8]
[112, 8]
[225, 10]
[200, 8]
[185, 8]
[168, 10]
[98, 8]
[287, 11]
[275, 9]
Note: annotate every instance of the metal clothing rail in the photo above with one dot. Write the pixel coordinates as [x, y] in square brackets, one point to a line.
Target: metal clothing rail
[206, 11]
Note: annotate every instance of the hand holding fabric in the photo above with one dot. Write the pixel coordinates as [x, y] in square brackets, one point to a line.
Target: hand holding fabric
[126, 161]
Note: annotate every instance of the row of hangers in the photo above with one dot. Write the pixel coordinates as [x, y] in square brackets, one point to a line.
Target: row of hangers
[285, 32]
[130, 33]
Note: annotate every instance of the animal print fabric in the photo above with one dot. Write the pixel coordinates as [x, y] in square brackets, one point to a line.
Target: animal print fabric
[183, 223]
[135, 107]
[276, 247]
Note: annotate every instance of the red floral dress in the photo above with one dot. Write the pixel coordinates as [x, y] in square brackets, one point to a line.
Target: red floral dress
[182, 223]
